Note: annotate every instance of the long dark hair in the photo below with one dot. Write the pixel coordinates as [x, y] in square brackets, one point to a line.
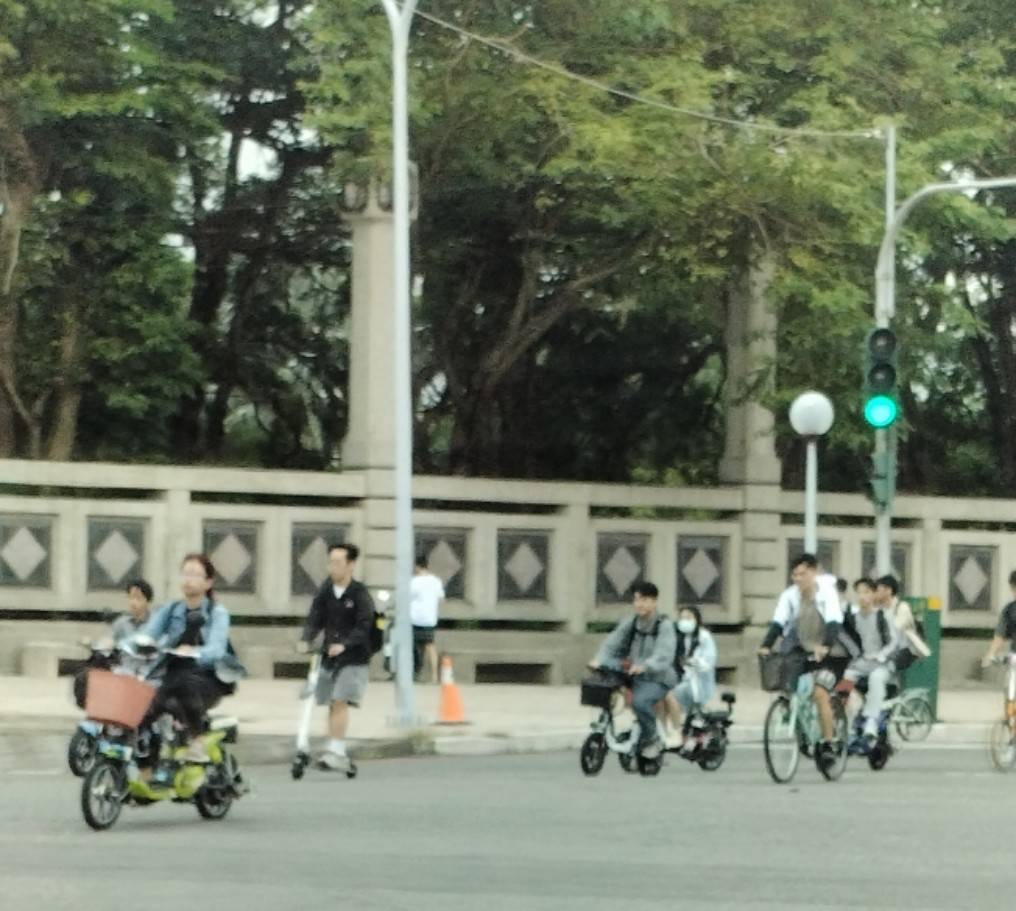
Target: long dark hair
[206, 565]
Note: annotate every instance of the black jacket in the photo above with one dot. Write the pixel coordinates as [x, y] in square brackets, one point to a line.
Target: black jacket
[346, 620]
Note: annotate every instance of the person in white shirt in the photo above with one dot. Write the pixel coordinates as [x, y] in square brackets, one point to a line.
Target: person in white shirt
[425, 596]
[807, 619]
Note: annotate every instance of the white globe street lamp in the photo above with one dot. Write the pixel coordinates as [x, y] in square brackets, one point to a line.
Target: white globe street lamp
[811, 416]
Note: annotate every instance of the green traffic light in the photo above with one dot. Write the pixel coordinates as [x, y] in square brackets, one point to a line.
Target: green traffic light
[880, 411]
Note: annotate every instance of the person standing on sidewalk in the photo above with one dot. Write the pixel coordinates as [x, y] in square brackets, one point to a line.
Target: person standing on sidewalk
[426, 592]
[643, 646]
[342, 610]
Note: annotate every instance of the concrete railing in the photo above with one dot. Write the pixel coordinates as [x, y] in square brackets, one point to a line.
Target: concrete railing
[522, 554]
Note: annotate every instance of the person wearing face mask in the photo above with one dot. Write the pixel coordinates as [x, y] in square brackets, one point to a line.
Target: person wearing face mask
[695, 663]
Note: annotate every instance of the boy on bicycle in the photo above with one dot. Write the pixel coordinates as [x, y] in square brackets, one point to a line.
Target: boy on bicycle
[1005, 631]
[808, 618]
[643, 645]
[872, 639]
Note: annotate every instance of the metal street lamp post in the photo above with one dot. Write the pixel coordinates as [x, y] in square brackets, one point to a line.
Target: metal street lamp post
[811, 416]
[885, 310]
[400, 19]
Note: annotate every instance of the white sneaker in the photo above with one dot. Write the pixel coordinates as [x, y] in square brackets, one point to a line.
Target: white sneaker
[673, 740]
[652, 749]
[333, 762]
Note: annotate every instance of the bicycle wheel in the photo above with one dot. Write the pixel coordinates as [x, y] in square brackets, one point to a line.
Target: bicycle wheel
[779, 742]
[914, 719]
[1003, 746]
[592, 754]
[832, 767]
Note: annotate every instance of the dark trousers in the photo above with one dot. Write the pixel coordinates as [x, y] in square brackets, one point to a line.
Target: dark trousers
[421, 636]
[187, 693]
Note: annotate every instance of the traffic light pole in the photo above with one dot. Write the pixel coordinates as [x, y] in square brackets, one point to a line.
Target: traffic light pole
[886, 437]
[885, 310]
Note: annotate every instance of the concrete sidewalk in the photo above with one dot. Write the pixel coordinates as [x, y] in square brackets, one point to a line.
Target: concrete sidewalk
[501, 719]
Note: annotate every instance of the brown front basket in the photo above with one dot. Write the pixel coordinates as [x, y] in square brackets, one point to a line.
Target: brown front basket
[117, 699]
[773, 671]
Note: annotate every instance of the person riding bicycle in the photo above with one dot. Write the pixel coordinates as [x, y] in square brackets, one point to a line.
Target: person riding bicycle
[695, 657]
[1005, 631]
[197, 628]
[911, 647]
[873, 640]
[643, 645]
[808, 618]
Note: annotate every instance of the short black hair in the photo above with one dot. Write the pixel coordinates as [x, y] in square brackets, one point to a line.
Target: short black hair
[804, 560]
[865, 580]
[352, 551]
[142, 586]
[646, 590]
[841, 585]
[1012, 577]
[889, 582]
[421, 560]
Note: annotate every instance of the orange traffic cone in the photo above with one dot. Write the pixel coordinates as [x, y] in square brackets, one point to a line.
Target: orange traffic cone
[452, 710]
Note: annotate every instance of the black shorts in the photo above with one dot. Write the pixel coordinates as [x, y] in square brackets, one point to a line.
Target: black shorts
[825, 674]
[423, 634]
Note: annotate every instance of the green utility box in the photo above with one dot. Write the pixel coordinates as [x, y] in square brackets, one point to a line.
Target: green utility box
[928, 614]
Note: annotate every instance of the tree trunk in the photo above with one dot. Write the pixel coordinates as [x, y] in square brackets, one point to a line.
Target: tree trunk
[67, 388]
[16, 199]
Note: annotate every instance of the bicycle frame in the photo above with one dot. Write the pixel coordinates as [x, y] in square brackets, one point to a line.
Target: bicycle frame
[616, 743]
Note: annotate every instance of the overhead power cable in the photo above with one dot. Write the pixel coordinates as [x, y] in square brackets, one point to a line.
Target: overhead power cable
[506, 48]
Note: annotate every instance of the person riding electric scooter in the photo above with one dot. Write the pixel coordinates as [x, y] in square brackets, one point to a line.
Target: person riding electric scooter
[643, 646]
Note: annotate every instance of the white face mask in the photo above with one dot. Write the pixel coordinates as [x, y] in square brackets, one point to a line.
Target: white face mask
[686, 626]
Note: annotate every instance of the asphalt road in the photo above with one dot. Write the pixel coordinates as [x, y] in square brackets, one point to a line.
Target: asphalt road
[934, 830]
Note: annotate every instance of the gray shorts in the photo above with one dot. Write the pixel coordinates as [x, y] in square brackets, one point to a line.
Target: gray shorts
[345, 685]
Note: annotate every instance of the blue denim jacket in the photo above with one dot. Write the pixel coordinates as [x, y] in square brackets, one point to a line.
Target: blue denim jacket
[166, 626]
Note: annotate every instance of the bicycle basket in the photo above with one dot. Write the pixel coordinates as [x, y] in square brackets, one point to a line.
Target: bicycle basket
[597, 690]
[117, 699]
[773, 672]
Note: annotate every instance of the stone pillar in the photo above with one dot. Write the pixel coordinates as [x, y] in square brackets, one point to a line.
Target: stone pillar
[369, 445]
[179, 540]
[749, 457]
[370, 437]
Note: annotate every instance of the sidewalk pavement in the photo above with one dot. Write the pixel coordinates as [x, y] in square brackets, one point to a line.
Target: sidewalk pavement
[38, 715]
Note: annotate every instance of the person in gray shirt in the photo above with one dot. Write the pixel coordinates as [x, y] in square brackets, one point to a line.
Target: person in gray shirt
[872, 639]
[643, 645]
[139, 602]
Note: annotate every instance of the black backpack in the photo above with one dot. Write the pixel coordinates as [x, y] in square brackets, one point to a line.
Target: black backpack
[377, 632]
[633, 632]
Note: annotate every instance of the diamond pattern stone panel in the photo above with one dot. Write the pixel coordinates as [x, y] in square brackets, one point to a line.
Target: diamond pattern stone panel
[116, 551]
[445, 550]
[309, 554]
[701, 566]
[233, 548]
[523, 563]
[25, 543]
[620, 565]
[899, 560]
[971, 577]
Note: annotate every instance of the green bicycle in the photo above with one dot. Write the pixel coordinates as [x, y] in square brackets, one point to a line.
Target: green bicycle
[792, 727]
